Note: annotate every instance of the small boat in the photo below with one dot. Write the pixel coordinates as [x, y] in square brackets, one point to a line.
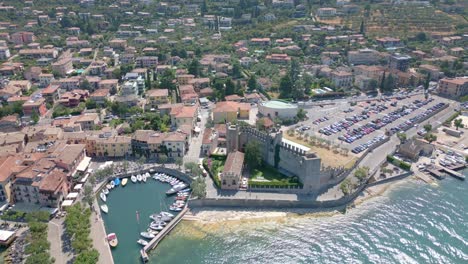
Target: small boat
[117, 182]
[144, 178]
[151, 231]
[105, 191]
[181, 198]
[133, 178]
[158, 223]
[167, 214]
[104, 208]
[103, 197]
[157, 227]
[112, 184]
[147, 235]
[109, 187]
[176, 188]
[112, 239]
[175, 209]
[142, 242]
[124, 182]
[139, 178]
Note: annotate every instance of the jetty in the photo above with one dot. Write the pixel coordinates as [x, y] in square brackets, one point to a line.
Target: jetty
[436, 173]
[155, 241]
[453, 173]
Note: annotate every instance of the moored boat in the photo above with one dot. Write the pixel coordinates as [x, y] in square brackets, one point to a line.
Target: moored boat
[142, 242]
[109, 187]
[116, 182]
[112, 239]
[112, 184]
[167, 214]
[144, 178]
[157, 227]
[175, 209]
[147, 235]
[103, 197]
[133, 179]
[104, 208]
[176, 188]
[105, 191]
[158, 223]
[139, 178]
[124, 182]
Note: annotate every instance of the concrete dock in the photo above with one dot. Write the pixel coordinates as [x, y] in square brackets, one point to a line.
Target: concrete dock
[436, 173]
[454, 173]
[155, 241]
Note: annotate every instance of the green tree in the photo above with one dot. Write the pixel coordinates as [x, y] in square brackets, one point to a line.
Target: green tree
[163, 159]
[253, 155]
[285, 87]
[88, 195]
[35, 117]
[373, 84]
[230, 87]
[198, 187]
[428, 127]
[85, 85]
[346, 186]
[252, 83]
[390, 83]
[301, 114]
[361, 173]
[429, 137]
[458, 123]
[179, 162]
[194, 67]
[361, 27]
[402, 136]
[421, 37]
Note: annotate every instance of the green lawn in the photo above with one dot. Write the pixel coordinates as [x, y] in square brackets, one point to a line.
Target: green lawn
[267, 175]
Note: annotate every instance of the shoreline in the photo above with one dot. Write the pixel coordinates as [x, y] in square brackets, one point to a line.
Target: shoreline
[212, 215]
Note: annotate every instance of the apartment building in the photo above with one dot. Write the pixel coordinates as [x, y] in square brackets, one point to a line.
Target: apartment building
[453, 87]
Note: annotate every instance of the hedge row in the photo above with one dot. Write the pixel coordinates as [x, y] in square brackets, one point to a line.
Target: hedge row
[451, 118]
[399, 163]
[215, 178]
[274, 184]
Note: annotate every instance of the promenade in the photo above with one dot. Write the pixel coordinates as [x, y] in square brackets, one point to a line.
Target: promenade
[98, 235]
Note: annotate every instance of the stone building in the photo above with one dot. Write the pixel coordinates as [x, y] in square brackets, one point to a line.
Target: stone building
[289, 158]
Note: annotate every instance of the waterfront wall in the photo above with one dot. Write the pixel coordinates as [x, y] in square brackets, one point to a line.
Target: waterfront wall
[281, 204]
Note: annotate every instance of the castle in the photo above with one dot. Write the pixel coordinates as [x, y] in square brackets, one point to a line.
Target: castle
[288, 159]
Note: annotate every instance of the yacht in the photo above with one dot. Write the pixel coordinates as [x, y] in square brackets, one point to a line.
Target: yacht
[133, 179]
[139, 178]
[104, 208]
[142, 242]
[156, 227]
[103, 197]
[105, 191]
[147, 235]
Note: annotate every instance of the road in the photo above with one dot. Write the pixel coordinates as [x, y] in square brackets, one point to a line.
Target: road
[193, 154]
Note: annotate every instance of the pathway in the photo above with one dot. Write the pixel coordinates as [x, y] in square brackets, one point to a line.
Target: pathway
[98, 235]
[57, 249]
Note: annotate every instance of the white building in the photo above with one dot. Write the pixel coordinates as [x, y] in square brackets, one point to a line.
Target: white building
[277, 109]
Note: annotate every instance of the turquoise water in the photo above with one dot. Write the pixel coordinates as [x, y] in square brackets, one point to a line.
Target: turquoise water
[412, 223]
[123, 202]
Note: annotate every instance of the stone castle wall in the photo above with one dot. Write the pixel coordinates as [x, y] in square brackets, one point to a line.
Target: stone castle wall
[292, 160]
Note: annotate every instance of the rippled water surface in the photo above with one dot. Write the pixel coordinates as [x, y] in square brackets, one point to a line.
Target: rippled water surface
[413, 223]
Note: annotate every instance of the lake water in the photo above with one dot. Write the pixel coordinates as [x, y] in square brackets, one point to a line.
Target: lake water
[123, 202]
[412, 223]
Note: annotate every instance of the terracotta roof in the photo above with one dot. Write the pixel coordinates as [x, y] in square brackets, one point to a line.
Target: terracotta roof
[100, 92]
[52, 181]
[50, 89]
[234, 163]
[157, 92]
[9, 118]
[88, 117]
[230, 106]
[233, 97]
[175, 136]
[184, 111]
[207, 136]
[69, 153]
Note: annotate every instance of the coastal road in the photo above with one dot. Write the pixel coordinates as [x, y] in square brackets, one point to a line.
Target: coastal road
[98, 235]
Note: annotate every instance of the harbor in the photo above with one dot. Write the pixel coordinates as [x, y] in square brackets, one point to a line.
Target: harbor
[132, 213]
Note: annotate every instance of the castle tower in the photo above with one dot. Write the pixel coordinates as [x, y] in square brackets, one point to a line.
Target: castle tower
[232, 138]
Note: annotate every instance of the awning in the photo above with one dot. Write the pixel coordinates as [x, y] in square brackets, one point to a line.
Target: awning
[85, 178]
[72, 196]
[78, 187]
[83, 164]
[67, 203]
[197, 130]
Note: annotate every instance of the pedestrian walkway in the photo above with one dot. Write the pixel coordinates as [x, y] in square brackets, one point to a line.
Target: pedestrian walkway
[61, 253]
[98, 235]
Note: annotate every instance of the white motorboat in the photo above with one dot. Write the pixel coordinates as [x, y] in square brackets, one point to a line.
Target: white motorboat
[109, 187]
[175, 209]
[157, 227]
[142, 242]
[147, 235]
[105, 191]
[139, 178]
[167, 214]
[104, 208]
[112, 184]
[144, 178]
[103, 197]
[151, 231]
[158, 223]
[133, 179]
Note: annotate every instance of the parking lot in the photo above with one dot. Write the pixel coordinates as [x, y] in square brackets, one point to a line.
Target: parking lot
[364, 124]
